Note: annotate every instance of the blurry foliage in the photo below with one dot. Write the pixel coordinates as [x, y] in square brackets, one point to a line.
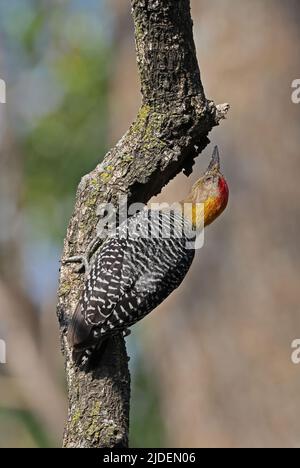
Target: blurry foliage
[146, 424]
[61, 100]
[21, 427]
[70, 141]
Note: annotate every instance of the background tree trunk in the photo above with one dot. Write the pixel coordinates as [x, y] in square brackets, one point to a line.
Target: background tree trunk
[170, 130]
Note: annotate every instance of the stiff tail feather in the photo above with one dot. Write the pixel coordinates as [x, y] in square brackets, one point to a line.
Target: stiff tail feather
[85, 350]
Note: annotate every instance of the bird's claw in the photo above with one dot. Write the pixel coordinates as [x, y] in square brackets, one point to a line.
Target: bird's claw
[83, 263]
[84, 260]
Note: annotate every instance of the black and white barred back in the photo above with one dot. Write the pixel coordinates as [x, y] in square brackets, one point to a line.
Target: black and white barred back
[137, 267]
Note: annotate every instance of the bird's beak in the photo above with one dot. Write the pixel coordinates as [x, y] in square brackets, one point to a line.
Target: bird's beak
[214, 165]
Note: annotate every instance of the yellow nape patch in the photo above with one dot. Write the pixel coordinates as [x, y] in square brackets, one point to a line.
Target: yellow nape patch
[202, 214]
[197, 215]
[212, 209]
[194, 213]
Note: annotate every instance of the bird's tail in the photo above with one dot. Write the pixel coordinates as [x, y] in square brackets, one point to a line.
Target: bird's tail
[87, 358]
[86, 351]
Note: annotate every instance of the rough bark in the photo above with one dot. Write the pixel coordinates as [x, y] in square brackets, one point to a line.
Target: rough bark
[171, 128]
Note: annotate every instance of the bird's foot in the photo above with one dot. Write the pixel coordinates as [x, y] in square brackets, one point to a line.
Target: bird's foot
[83, 263]
[85, 260]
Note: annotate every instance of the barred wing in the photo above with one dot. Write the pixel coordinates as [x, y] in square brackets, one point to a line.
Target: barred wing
[130, 277]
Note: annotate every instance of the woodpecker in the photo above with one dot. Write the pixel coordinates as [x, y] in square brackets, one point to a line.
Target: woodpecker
[141, 263]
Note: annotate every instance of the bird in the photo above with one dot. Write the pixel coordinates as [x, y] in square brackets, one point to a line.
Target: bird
[141, 263]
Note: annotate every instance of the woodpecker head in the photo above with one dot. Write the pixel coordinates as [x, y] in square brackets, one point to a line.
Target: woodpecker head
[211, 190]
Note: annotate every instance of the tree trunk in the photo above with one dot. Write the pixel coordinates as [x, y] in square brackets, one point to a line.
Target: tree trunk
[171, 128]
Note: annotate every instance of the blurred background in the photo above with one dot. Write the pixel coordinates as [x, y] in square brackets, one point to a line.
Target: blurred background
[212, 366]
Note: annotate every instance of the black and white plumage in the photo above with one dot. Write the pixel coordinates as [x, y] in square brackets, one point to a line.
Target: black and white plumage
[141, 263]
[137, 267]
